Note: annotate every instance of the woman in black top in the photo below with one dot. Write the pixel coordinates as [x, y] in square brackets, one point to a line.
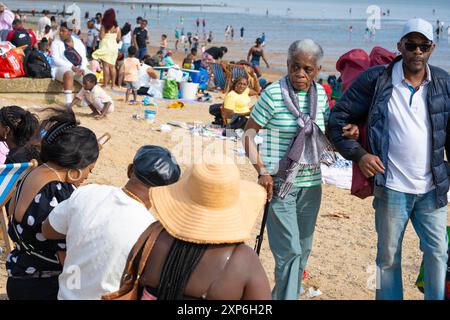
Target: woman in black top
[18, 128]
[216, 52]
[69, 153]
[213, 54]
[254, 56]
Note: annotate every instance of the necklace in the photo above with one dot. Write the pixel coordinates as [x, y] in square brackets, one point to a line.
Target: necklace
[132, 195]
[54, 170]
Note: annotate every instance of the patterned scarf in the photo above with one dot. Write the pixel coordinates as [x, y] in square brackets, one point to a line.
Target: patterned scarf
[309, 147]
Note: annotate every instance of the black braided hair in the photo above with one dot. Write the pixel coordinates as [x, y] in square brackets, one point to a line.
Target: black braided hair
[22, 123]
[181, 261]
[66, 143]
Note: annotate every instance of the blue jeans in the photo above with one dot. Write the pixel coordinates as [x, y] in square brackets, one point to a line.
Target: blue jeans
[290, 228]
[124, 49]
[393, 210]
[141, 53]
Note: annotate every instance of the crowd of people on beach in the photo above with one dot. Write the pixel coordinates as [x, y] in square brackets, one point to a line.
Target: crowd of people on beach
[187, 232]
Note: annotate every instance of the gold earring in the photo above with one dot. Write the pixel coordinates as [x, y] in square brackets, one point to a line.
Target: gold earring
[80, 175]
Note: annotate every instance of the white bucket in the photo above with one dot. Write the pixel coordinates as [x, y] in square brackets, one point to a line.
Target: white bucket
[189, 90]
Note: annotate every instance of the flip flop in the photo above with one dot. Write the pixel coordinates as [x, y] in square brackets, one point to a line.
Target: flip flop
[176, 105]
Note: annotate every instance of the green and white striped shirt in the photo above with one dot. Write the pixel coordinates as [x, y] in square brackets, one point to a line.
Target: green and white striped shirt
[280, 127]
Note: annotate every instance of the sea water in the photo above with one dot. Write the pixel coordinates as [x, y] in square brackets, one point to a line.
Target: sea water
[282, 21]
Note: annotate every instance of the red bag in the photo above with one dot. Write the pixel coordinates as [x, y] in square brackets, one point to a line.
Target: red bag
[11, 65]
[361, 186]
[351, 65]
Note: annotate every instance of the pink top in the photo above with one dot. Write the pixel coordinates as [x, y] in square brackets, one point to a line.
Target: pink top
[147, 295]
[6, 20]
[3, 152]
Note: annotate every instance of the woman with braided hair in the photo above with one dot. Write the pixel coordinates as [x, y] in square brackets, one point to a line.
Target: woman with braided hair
[205, 218]
[68, 153]
[18, 127]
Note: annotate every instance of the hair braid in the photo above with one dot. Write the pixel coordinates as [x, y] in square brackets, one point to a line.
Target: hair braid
[181, 261]
[22, 123]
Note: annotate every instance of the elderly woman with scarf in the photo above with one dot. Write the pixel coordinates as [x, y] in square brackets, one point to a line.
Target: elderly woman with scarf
[293, 113]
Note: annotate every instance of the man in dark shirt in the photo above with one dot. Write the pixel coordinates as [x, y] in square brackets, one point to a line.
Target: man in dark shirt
[140, 40]
[21, 37]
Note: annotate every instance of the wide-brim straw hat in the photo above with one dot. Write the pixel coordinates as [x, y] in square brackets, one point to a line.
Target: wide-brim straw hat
[210, 204]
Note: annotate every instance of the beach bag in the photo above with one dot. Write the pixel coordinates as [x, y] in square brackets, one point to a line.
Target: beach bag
[5, 46]
[134, 267]
[73, 56]
[203, 79]
[11, 65]
[36, 65]
[361, 186]
[175, 74]
[170, 90]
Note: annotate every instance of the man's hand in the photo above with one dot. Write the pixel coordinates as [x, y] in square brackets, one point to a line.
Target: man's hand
[350, 131]
[267, 182]
[370, 165]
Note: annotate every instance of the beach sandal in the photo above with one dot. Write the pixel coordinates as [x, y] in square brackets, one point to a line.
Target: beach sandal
[176, 105]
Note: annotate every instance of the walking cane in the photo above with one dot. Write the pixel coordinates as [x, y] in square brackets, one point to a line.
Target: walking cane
[259, 238]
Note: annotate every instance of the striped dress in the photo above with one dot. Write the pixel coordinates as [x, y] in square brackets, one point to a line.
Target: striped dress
[280, 128]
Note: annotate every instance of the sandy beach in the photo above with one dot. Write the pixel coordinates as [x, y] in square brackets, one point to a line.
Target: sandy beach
[342, 263]
[343, 255]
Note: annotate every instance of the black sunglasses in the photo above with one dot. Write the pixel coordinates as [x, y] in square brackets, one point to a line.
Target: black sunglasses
[412, 47]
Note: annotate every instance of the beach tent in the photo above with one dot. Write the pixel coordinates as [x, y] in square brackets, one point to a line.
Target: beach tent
[10, 174]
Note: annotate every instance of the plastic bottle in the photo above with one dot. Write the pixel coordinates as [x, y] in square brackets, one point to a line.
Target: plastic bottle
[149, 115]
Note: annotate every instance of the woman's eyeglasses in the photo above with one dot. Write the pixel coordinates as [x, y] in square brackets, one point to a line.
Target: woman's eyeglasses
[412, 47]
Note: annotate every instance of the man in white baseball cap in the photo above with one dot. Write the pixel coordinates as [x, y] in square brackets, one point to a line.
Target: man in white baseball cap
[420, 26]
[405, 105]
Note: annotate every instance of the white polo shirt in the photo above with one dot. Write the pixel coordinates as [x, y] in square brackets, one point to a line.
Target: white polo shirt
[409, 155]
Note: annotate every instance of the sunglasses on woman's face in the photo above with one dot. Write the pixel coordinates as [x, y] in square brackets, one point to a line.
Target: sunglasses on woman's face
[412, 46]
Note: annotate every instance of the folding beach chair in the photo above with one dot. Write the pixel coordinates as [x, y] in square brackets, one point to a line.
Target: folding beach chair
[10, 174]
[217, 75]
[236, 70]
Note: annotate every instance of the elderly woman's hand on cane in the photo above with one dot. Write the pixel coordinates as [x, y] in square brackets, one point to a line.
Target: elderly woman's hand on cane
[266, 181]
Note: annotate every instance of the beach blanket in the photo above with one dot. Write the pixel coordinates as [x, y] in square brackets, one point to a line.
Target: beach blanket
[338, 174]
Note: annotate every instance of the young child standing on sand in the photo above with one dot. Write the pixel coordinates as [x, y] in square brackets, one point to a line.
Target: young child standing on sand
[130, 71]
[94, 96]
[163, 43]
